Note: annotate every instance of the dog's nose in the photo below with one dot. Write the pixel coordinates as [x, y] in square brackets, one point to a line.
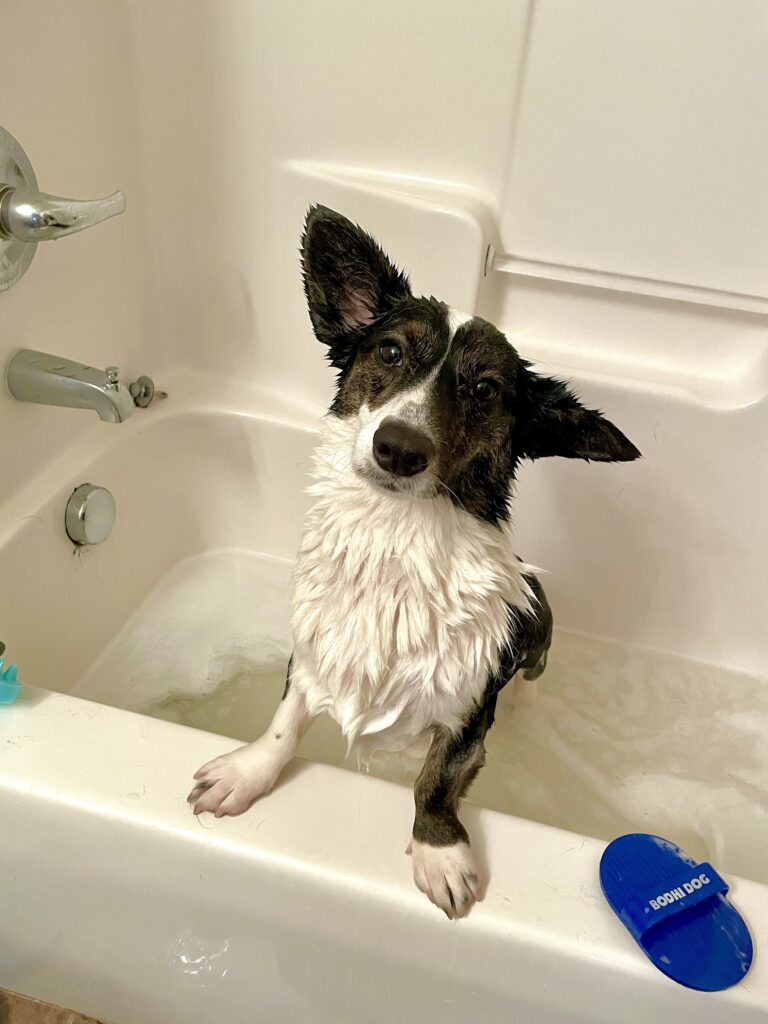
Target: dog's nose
[401, 449]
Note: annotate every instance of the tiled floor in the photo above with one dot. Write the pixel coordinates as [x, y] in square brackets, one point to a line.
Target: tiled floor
[15, 1009]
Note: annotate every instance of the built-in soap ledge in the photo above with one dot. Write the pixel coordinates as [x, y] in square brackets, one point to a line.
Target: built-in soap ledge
[699, 344]
[714, 357]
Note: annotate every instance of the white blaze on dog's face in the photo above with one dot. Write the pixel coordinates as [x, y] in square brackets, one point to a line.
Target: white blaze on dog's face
[441, 402]
[396, 445]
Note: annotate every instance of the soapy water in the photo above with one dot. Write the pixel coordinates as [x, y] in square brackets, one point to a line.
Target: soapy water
[619, 738]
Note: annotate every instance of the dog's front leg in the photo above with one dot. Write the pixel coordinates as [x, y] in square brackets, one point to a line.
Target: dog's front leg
[443, 865]
[232, 783]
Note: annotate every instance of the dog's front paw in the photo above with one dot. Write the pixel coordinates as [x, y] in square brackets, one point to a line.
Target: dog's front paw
[232, 783]
[447, 875]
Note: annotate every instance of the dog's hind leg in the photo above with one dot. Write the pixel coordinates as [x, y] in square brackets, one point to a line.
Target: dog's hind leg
[443, 865]
[232, 783]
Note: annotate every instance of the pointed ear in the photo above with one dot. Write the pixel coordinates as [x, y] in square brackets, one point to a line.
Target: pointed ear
[552, 421]
[348, 279]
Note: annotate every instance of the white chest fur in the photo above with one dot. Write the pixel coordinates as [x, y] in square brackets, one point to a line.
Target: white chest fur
[400, 603]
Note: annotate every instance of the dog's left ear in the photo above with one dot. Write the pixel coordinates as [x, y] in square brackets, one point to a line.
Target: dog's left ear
[552, 421]
[348, 280]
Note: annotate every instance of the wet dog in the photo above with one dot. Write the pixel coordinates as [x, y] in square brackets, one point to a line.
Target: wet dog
[411, 610]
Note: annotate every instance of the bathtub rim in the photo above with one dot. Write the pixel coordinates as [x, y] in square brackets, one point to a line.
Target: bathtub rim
[342, 828]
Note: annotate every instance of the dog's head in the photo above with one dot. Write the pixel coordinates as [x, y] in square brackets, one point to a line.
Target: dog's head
[443, 404]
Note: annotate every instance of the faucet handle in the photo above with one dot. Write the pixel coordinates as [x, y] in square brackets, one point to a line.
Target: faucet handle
[144, 392]
[31, 216]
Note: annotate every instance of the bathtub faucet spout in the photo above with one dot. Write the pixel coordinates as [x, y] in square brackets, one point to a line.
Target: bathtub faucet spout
[51, 380]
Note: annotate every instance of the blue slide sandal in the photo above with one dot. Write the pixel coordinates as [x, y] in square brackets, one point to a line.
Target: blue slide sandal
[677, 912]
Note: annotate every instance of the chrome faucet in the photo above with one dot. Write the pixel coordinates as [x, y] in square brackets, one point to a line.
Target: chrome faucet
[29, 216]
[32, 216]
[50, 380]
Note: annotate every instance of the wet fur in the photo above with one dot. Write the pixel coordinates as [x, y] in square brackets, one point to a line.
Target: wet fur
[402, 605]
[411, 610]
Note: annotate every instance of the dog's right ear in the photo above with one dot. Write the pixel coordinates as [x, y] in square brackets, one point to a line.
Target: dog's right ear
[349, 281]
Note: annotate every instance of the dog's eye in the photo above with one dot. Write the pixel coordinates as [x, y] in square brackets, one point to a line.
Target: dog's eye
[485, 390]
[390, 353]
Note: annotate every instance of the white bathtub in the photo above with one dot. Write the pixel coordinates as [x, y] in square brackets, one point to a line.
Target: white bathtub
[116, 901]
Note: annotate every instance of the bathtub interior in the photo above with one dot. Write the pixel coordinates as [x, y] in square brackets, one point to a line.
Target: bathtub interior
[183, 615]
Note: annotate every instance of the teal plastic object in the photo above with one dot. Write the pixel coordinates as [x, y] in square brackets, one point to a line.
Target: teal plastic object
[10, 687]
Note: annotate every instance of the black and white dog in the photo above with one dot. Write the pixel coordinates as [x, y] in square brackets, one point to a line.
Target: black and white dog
[411, 609]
